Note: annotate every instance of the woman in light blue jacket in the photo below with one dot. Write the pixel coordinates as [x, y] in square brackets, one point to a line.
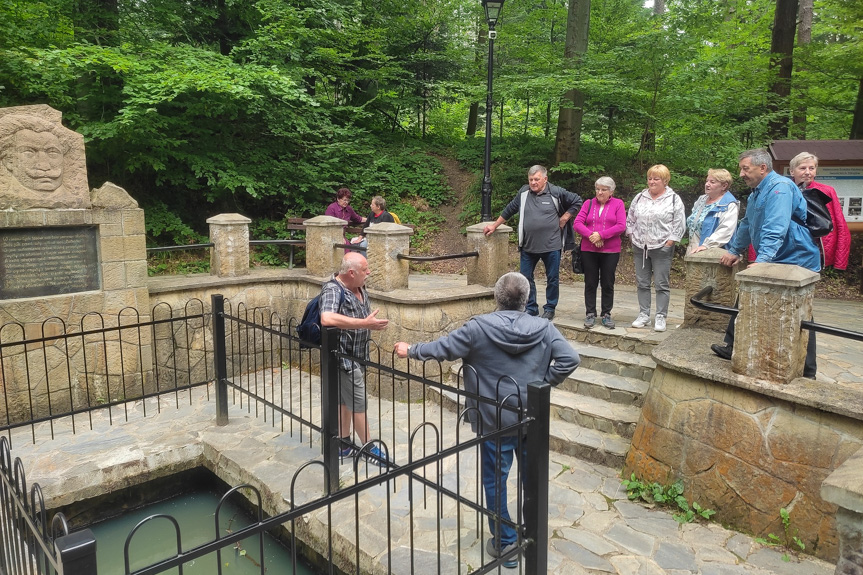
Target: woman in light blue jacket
[714, 215]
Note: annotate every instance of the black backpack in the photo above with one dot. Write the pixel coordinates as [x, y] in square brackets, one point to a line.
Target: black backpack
[818, 219]
[309, 328]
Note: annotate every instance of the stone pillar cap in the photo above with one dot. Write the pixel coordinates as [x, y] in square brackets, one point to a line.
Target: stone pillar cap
[325, 221]
[710, 255]
[229, 219]
[778, 274]
[480, 227]
[389, 229]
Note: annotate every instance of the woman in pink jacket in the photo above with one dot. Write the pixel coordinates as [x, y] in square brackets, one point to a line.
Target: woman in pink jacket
[601, 222]
[836, 245]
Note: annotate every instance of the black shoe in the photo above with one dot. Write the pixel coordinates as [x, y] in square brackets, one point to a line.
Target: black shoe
[549, 315]
[533, 313]
[723, 351]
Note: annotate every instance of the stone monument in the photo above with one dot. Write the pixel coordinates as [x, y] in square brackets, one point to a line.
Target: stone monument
[71, 260]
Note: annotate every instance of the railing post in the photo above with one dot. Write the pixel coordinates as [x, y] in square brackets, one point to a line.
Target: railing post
[330, 404]
[536, 479]
[220, 359]
[76, 553]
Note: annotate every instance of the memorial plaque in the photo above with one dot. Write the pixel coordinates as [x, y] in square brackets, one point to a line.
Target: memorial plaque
[48, 261]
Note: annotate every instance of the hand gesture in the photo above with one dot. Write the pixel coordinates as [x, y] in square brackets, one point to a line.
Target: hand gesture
[372, 322]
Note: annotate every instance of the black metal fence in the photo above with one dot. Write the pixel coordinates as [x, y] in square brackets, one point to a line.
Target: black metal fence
[260, 367]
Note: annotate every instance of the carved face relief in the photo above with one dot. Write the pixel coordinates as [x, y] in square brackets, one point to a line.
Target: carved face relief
[36, 160]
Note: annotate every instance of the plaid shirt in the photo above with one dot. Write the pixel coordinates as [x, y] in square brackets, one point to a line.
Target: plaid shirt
[353, 342]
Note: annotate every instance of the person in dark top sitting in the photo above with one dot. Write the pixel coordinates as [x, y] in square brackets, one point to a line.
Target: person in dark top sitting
[378, 214]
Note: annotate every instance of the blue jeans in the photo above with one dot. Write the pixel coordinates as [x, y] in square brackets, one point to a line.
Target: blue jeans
[495, 471]
[551, 261]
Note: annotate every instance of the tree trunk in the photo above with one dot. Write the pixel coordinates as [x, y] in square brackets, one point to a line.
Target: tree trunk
[782, 48]
[566, 145]
[479, 56]
[857, 122]
[472, 119]
[527, 116]
[659, 7]
[804, 37]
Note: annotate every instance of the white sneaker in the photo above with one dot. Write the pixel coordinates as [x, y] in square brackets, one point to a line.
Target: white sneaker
[659, 323]
[642, 320]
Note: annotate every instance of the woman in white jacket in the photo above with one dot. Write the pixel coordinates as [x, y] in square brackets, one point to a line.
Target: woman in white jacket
[655, 222]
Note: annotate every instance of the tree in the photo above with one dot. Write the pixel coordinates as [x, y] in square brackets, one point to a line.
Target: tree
[572, 106]
[782, 64]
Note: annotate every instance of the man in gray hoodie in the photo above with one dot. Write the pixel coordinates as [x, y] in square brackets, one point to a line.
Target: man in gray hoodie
[503, 351]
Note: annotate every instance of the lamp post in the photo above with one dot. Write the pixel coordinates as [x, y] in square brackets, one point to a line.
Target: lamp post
[492, 10]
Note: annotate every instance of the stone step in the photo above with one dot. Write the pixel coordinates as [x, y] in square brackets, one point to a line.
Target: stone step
[588, 444]
[622, 337]
[593, 413]
[586, 427]
[608, 386]
[615, 361]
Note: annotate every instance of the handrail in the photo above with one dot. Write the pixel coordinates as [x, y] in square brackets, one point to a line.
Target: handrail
[354, 247]
[437, 258]
[176, 248]
[708, 306]
[277, 242]
[830, 330]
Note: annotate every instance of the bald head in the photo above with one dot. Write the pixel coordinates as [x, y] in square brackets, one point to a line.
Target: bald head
[354, 270]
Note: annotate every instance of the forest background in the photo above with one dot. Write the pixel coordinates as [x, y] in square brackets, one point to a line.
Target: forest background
[265, 107]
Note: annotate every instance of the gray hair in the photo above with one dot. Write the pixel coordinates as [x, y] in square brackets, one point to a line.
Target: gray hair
[380, 202]
[758, 157]
[800, 158]
[511, 291]
[605, 181]
[537, 168]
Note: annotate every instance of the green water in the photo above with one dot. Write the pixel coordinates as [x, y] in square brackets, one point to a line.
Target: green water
[195, 513]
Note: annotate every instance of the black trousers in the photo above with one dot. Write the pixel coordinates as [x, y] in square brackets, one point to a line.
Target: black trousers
[809, 365]
[599, 269]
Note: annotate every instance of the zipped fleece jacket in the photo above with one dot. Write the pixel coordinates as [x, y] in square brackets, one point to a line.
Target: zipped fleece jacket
[564, 201]
[769, 227]
[503, 352]
[652, 222]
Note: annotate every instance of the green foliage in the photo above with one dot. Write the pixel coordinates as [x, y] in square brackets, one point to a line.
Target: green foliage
[668, 496]
[793, 543]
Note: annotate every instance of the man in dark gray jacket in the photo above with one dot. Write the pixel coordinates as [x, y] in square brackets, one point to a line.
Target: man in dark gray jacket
[503, 351]
[543, 230]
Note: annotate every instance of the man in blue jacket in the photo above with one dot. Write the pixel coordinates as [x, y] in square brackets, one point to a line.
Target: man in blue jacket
[503, 351]
[774, 225]
[543, 231]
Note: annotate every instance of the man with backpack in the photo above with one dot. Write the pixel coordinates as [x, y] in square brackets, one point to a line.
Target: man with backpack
[775, 225]
[345, 305]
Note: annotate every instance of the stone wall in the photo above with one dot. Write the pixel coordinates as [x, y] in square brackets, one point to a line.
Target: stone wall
[745, 448]
[56, 369]
[277, 295]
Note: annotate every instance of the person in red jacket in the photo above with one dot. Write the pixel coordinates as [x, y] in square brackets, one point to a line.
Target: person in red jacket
[837, 244]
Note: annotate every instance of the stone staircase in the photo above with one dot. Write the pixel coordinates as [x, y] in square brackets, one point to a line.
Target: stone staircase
[595, 411]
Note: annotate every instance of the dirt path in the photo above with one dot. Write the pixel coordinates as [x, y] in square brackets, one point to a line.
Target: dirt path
[451, 239]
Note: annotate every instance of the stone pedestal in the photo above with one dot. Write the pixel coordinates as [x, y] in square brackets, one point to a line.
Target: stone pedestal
[702, 270]
[321, 233]
[768, 341]
[230, 255]
[493, 254]
[844, 489]
[386, 242]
